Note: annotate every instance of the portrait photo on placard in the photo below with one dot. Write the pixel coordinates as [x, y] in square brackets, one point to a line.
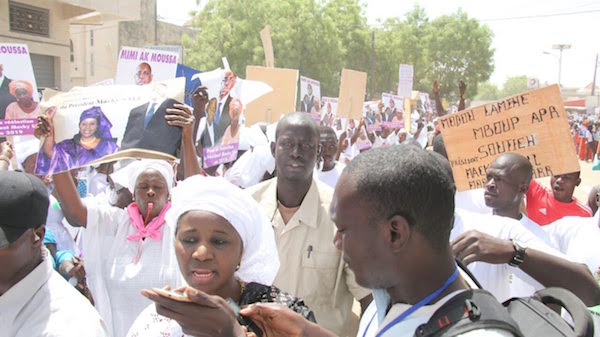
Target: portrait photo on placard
[88, 125]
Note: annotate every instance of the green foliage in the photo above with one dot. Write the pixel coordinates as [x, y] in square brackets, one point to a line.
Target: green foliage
[487, 91]
[320, 37]
[514, 85]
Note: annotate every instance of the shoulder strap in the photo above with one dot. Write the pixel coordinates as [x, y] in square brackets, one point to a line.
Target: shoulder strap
[470, 310]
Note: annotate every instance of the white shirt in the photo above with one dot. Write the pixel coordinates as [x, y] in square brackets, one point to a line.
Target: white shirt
[519, 287]
[496, 278]
[2, 80]
[44, 304]
[330, 177]
[376, 318]
[114, 279]
[578, 238]
[472, 201]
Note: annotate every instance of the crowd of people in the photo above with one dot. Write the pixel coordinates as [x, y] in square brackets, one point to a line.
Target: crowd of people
[312, 231]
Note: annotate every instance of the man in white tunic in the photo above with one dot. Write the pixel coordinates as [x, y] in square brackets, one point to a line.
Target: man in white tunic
[34, 299]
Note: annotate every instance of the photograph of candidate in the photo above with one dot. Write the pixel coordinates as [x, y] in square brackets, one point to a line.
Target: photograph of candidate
[92, 142]
[24, 106]
[143, 74]
[147, 128]
[5, 97]
[214, 131]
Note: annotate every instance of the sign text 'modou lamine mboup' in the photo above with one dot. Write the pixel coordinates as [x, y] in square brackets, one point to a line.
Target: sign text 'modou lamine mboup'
[533, 124]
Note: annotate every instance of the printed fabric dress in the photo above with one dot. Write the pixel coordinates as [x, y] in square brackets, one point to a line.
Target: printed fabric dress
[150, 324]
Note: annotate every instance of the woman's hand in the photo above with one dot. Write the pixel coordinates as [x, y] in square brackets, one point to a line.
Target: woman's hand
[205, 315]
[6, 150]
[182, 116]
[45, 124]
[45, 127]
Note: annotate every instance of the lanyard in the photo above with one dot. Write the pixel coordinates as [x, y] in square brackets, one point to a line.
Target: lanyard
[415, 307]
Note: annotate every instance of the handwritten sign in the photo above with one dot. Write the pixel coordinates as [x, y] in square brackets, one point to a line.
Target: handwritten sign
[17, 127]
[533, 124]
[352, 94]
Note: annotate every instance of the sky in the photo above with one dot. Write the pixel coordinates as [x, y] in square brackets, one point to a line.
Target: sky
[523, 30]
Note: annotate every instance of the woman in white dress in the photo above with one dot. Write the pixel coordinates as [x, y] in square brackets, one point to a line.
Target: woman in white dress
[225, 247]
[127, 250]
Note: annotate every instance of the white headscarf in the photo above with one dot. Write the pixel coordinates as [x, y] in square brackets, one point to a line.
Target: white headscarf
[136, 168]
[260, 260]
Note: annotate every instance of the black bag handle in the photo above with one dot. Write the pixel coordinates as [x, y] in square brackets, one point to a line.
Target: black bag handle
[583, 325]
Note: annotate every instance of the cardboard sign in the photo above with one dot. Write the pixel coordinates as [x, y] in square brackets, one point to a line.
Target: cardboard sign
[280, 101]
[533, 124]
[405, 80]
[265, 37]
[352, 94]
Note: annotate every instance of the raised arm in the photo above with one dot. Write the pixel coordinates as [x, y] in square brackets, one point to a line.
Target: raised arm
[181, 115]
[436, 96]
[357, 133]
[462, 87]
[45, 127]
[199, 99]
[71, 204]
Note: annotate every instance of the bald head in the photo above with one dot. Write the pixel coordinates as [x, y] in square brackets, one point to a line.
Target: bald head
[518, 166]
[297, 119]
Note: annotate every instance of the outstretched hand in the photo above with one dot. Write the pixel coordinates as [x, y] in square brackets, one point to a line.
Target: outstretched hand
[474, 246]
[205, 315]
[275, 320]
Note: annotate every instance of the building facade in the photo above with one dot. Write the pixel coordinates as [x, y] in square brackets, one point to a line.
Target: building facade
[96, 47]
[45, 26]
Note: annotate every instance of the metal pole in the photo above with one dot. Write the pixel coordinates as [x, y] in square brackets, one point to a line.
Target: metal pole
[559, 67]
[594, 82]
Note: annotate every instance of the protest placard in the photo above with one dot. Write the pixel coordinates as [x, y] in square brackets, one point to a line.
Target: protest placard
[102, 123]
[142, 66]
[533, 124]
[219, 134]
[18, 91]
[265, 37]
[329, 110]
[310, 97]
[393, 111]
[352, 93]
[270, 107]
[405, 80]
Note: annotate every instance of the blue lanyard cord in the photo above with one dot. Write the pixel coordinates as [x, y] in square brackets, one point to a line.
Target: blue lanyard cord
[416, 306]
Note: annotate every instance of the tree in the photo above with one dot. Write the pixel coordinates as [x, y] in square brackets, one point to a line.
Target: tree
[487, 91]
[315, 38]
[514, 85]
[459, 47]
[321, 37]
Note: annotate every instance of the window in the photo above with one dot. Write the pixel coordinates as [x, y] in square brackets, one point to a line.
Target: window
[29, 19]
[72, 57]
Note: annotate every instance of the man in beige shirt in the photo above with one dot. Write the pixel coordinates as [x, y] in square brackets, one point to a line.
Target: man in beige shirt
[298, 206]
